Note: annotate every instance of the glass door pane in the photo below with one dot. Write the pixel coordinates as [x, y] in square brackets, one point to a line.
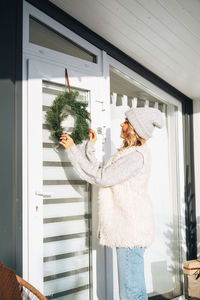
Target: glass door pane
[163, 259]
[66, 216]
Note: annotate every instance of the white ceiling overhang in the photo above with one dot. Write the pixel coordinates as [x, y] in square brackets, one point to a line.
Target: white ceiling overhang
[161, 35]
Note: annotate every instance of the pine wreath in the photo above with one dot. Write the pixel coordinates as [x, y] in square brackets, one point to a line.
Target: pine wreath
[59, 110]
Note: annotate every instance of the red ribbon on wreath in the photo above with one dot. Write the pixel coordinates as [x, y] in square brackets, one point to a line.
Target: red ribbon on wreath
[66, 81]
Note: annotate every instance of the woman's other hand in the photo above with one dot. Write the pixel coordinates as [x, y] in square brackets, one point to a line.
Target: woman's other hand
[93, 136]
[66, 141]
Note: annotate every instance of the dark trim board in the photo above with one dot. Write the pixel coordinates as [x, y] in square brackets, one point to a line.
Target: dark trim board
[190, 201]
[11, 124]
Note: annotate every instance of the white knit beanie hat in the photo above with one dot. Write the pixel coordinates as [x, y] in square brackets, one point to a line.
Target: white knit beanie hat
[144, 119]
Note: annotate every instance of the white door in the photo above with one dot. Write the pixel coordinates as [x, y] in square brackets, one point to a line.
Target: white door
[60, 212]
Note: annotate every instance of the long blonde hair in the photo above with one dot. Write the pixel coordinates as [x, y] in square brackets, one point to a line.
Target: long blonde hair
[132, 138]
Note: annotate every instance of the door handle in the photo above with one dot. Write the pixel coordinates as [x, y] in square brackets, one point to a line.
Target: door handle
[43, 195]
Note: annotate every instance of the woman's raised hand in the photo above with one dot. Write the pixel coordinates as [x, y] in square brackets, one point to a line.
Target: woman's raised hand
[66, 141]
[93, 136]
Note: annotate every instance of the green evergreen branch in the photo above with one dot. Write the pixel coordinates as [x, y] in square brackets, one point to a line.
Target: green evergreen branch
[56, 114]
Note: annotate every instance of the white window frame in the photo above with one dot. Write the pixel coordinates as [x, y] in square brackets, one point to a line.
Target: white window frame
[53, 55]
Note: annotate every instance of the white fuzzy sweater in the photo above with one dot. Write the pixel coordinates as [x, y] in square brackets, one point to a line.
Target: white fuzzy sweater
[124, 206]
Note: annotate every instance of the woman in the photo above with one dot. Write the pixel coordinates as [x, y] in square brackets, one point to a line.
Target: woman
[124, 206]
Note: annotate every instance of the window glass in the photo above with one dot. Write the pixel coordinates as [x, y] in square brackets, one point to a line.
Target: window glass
[42, 35]
[163, 259]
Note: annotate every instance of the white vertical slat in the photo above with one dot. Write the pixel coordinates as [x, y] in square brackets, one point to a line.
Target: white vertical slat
[134, 102]
[146, 103]
[165, 109]
[124, 100]
[114, 98]
[156, 105]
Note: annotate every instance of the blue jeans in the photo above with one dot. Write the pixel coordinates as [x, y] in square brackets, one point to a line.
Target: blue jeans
[131, 273]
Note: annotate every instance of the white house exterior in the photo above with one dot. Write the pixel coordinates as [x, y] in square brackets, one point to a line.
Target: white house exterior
[57, 219]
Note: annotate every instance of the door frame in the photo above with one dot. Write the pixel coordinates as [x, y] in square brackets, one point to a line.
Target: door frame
[59, 60]
[38, 71]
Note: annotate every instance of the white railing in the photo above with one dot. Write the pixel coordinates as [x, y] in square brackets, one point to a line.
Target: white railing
[136, 101]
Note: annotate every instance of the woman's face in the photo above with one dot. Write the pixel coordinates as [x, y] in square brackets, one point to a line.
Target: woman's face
[124, 129]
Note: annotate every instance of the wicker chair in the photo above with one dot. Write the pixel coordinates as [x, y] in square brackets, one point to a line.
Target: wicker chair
[28, 291]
